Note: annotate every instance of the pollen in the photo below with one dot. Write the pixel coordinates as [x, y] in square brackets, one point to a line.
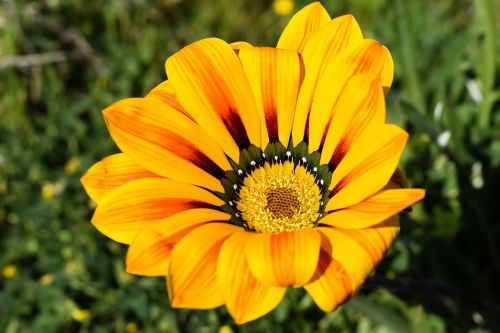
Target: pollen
[278, 197]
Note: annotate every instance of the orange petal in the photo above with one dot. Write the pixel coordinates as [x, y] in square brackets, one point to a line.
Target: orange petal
[360, 104]
[210, 83]
[192, 279]
[150, 250]
[338, 34]
[274, 76]
[131, 207]
[355, 253]
[367, 167]
[302, 26]
[373, 210]
[284, 259]
[110, 173]
[166, 142]
[245, 297]
[165, 93]
[365, 57]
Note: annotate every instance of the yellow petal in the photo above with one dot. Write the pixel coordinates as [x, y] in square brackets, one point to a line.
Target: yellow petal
[333, 288]
[284, 259]
[245, 297]
[166, 142]
[333, 37]
[302, 26]
[365, 57]
[367, 167]
[210, 83]
[110, 173]
[375, 240]
[355, 253]
[240, 45]
[135, 205]
[165, 93]
[192, 279]
[150, 250]
[338, 34]
[274, 76]
[373, 210]
[399, 180]
[360, 105]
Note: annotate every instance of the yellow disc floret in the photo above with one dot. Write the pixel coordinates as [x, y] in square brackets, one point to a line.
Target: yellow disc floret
[279, 197]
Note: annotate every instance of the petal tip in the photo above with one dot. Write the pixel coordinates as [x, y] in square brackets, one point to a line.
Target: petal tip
[420, 194]
[85, 179]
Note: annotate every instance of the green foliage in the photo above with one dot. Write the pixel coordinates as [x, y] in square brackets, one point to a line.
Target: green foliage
[61, 275]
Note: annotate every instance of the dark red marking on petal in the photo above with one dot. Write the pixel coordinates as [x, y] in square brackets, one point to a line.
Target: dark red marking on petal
[235, 126]
[272, 123]
[167, 140]
[339, 186]
[338, 154]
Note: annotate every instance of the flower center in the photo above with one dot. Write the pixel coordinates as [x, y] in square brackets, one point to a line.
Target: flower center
[279, 197]
[282, 202]
[276, 190]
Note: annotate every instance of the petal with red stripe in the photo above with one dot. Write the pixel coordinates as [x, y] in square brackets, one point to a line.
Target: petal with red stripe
[360, 106]
[149, 253]
[367, 167]
[211, 85]
[274, 76]
[245, 297]
[354, 255]
[136, 205]
[192, 279]
[367, 56]
[165, 141]
[284, 259]
[111, 173]
[373, 210]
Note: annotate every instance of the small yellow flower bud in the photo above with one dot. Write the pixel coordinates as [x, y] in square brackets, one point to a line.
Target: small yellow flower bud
[9, 271]
[131, 327]
[72, 165]
[225, 329]
[47, 279]
[283, 7]
[48, 191]
[80, 315]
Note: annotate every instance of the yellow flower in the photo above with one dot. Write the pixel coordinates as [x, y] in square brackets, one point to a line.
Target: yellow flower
[225, 329]
[80, 315]
[47, 279]
[72, 165]
[131, 327]
[48, 191]
[9, 271]
[282, 7]
[255, 169]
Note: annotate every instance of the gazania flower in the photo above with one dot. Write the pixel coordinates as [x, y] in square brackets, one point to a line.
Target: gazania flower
[255, 169]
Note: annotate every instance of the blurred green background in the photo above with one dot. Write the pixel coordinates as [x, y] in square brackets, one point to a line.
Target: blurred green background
[62, 61]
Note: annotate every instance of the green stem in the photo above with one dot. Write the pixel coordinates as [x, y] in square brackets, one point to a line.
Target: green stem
[485, 15]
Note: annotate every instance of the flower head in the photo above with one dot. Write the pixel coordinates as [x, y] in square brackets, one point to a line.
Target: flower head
[255, 169]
